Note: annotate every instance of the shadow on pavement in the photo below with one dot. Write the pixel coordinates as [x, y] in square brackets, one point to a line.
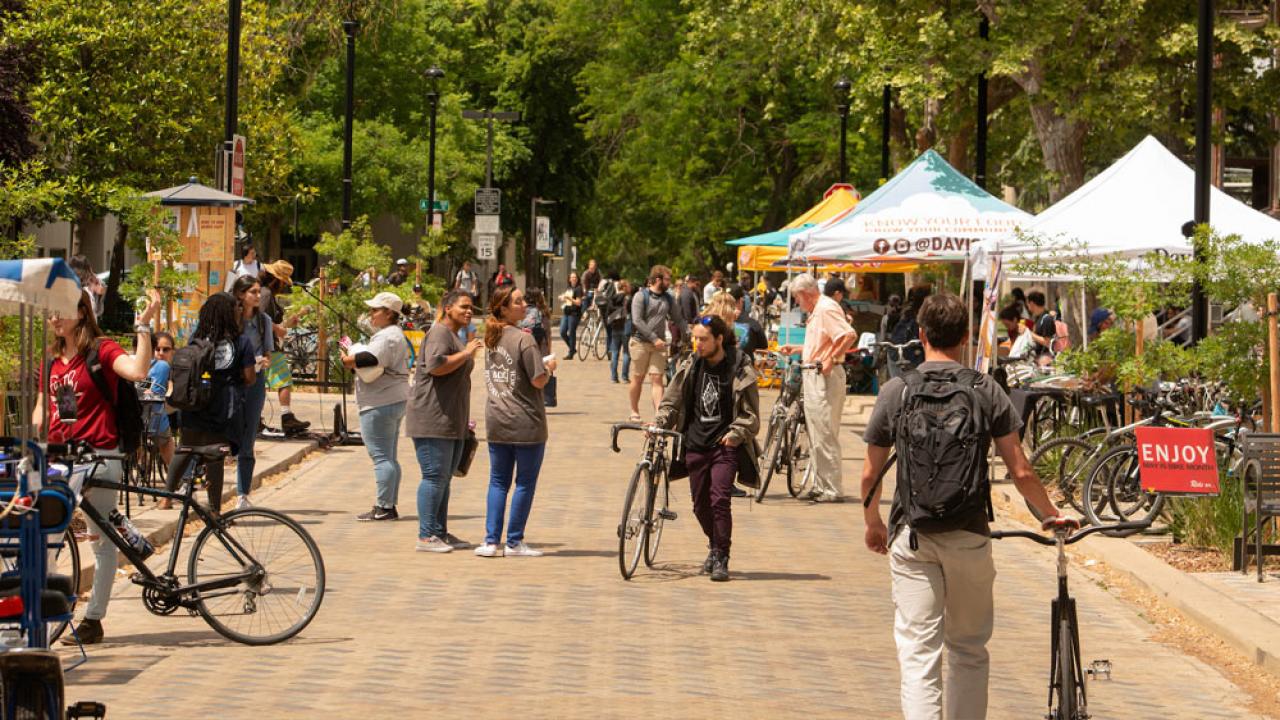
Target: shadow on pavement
[582, 553]
[776, 576]
[203, 638]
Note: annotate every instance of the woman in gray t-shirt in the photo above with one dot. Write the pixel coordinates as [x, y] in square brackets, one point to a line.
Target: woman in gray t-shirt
[438, 417]
[382, 387]
[515, 421]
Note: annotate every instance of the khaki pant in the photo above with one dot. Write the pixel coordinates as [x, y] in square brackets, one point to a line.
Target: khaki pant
[942, 596]
[647, 359]
[823, 406]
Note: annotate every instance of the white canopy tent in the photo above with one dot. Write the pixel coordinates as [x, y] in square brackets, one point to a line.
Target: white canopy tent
[1136, 206]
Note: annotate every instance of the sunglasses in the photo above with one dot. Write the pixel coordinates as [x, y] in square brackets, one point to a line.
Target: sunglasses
[705, 321]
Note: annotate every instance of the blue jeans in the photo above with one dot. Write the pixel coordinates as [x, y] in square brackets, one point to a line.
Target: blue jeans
[569, 331]
[255, 396]
[380, 428]
[524, 462]
[438, 458]
[618, 347]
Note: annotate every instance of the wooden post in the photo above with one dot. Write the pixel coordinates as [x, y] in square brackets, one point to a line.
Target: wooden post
[322, 349]
[417, 273]
[1273, 354]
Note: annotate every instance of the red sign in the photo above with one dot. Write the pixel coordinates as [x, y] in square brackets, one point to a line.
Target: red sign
[1177, 460]
[237, 166]
[840, 186]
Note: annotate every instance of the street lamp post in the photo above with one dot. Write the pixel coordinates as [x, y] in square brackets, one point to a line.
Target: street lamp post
[233, 92]
[433, 97]
[842, 106]
[1204, 120]
[349, 27]
[530, 260]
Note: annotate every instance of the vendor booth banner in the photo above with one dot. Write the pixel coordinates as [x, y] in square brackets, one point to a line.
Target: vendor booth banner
[929, 212]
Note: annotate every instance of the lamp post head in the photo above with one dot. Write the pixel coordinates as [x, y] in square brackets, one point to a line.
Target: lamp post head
[843, 86]
[433, 75]
[349, 26]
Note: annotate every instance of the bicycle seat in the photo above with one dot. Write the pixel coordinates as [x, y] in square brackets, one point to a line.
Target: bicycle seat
[61, 583]
[208, 452]
[52, 603]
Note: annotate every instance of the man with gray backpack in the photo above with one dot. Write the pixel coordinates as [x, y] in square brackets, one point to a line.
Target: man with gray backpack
[941, 419]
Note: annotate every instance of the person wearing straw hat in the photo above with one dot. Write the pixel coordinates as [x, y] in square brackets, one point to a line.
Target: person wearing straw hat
[277, 278]
[382, 393]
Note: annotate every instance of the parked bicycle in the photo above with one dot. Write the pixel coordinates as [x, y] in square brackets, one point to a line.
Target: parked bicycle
[592, 338]
[786, 442]
[646, 507]
[1068, 699]
[254, 575]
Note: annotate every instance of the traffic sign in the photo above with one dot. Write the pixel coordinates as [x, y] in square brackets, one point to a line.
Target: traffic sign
[488, 201]
[440, 205]
[486, 245]
[488, 224]
[237, 165]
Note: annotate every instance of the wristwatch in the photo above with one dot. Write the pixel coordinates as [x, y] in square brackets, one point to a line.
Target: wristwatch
[143, 328]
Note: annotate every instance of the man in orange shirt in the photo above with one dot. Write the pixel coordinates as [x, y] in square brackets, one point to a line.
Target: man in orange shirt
[827, 338]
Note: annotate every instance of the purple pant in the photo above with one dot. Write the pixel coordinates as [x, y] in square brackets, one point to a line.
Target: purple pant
[711, 475]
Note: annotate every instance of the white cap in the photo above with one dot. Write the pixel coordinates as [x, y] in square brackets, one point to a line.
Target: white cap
[402, 261]
[388, 300]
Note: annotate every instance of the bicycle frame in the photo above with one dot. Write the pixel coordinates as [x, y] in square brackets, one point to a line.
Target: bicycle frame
[149, 578]
[1063, 610]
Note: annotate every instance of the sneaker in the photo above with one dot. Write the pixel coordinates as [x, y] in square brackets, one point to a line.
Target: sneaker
[88, 632]
[522, 550]
[736, 491]
[433, 544]
[720, 568]
[455, 542]
[709, 563]
[243, 502]
[378, 513]
[489, 550]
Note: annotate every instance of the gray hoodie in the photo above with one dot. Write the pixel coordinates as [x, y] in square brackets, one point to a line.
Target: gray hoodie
[650, 314]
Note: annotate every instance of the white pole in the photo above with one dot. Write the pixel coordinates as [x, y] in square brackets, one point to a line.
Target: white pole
[1084, 317]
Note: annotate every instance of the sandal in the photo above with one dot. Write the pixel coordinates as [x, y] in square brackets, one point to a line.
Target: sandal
[635, 418]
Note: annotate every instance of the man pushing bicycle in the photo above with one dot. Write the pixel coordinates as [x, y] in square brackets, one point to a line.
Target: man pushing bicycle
[713, 400]
[942, 419]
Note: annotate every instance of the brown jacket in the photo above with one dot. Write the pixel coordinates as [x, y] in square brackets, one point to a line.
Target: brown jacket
[746, 408]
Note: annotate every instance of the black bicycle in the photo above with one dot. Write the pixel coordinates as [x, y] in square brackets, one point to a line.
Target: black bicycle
[1067, 697]
[786, 444]
[255, 575]
[646, 507]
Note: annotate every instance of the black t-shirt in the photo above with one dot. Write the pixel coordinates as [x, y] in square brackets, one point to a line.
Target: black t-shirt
[711, 412]
[1045, 328]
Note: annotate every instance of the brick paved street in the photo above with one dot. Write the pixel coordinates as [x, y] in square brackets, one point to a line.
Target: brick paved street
[804, 629]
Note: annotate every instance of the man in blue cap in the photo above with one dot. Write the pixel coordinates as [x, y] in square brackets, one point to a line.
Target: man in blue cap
[1099, 320]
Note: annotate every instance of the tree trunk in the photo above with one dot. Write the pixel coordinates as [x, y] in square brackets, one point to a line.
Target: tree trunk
[1062, 144]
[775, 215]
[273, 238]
[958, 149]
[112, 302]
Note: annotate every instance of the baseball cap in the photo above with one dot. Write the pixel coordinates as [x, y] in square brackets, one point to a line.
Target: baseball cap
[388, 300]
[402, 261]
[1097, 317]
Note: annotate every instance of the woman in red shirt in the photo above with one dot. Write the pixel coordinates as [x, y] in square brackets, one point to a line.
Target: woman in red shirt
[95, 422]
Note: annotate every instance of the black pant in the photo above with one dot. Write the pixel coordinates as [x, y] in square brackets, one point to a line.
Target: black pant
[213, 469]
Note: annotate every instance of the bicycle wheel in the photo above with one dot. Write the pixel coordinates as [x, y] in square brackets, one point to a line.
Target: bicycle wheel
[1095, 494]
[1062, 465]
[634, 528]
[1067, 689]
[797, 457]
[600, 342]
[769, 456]
[659, 496]
[1127, 498]
[275, 603]
[65, 560]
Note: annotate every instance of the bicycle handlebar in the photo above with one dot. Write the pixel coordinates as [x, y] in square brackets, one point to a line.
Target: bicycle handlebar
[896, 346]
[1123, 529]
[80, 449]
[651, 429]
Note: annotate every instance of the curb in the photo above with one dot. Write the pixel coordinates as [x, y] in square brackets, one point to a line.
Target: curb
[168, 528]
[1238, 625]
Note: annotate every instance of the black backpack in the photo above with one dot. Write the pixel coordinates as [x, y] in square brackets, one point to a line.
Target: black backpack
[190, 375]
[942, 439]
